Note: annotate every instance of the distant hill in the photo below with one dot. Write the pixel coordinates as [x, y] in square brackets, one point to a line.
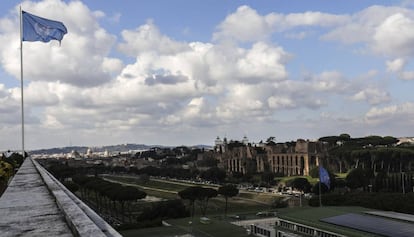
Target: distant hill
[110, 148]
[83, 149]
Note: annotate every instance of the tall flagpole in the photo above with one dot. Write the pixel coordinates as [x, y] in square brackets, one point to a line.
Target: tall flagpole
[21, 78]
[320, 190]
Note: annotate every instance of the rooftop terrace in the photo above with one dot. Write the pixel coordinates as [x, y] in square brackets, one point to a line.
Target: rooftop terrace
[36, 204]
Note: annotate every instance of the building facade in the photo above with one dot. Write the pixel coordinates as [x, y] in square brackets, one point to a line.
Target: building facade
[295, 158]
[289, 159]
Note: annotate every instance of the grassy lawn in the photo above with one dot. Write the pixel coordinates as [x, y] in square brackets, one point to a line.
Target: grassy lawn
[341, 175]
[222, 227]
[168, 189]
[151, 183]
[217, 228]
[245, 202]
[154, 232]
[245, 205]
[260, 197]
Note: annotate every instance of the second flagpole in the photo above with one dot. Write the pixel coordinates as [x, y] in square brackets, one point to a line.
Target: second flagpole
[21, 78]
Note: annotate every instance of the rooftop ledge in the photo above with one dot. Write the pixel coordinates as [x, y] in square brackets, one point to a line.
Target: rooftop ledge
[36, 204]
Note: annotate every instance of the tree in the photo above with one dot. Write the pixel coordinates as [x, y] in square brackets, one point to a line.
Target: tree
[201, 194]
[301, 184]
[271, 141]
[61, 172]
[204, 196]
[228, 191]
[314, 172]
[128, 194]
[71, 186]
[112, 193]
[81, 180]
[144, 178]
[169, 209]
[357, 178]
[267, 177]
[190, 194]
[15, 159]
[208, 162]
[345, 137]
[214, 174]
[315, 188]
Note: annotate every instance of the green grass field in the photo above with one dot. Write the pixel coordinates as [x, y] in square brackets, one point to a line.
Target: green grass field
[217, 228]
[245, 205]
[220, 227]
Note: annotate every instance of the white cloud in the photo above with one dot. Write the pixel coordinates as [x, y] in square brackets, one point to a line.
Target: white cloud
[99, 14]
[77, 61]
[384, 30]
[148, 38]
[239, 80]
[41, 94]
[112, 65]
[9, 105]
[278, 102]
[263, 62]
[407, 75]
[373, 96]
[313, 19]
[394, 36]
[330, 81]
[247, 25]
[297, 35]
[399, 113]
[395, 65]
[361, 26]
[115, 18]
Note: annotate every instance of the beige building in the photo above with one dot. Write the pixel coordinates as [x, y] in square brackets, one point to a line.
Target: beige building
[292, 158]
[295, 159]
[241, 157]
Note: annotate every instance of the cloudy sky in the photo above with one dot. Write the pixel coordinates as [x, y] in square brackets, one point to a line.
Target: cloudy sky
[183, 72]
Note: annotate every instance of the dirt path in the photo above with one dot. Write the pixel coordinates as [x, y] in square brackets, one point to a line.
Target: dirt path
[139, 186]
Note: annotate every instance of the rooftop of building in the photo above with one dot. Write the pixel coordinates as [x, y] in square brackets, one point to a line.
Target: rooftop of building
[36, 204]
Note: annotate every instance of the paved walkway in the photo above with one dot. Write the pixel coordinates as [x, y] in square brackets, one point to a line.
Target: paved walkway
[36, 204]
[28, 209]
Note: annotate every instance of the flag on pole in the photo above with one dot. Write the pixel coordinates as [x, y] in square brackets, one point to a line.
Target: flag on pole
[40, 29]
[324, 177]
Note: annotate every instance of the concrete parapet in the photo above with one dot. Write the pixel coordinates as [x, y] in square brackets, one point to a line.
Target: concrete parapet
[36, 204]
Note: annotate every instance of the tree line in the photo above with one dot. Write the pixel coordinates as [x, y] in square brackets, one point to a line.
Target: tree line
[374, 152]
[119, 201]
[8, 166]
[203, 195]
[107, 196]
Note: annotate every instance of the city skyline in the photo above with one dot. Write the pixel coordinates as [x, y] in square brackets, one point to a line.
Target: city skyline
[184, 72]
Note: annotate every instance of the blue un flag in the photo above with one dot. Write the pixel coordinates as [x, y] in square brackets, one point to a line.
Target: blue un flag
[324, 177]
[40, 29]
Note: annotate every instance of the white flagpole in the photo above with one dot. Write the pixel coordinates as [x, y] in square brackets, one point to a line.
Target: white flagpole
[320, 192]
[320, 187]
[21, 77]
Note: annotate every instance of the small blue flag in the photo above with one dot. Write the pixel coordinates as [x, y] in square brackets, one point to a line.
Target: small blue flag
[40, 29]
[324, 177]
